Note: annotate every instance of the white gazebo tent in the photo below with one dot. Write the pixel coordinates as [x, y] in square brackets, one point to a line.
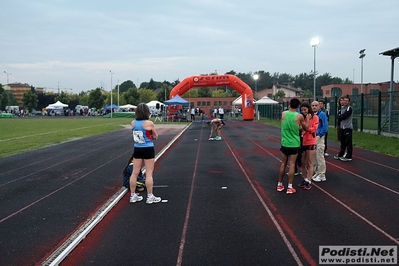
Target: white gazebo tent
[265, 100]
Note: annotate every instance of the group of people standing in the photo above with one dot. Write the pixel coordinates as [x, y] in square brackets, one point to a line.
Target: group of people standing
[304, 132]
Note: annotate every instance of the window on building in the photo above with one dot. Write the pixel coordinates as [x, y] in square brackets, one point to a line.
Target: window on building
[198, 104]
[208, 103]
[327, 92]
[355, 91]
[225, 103]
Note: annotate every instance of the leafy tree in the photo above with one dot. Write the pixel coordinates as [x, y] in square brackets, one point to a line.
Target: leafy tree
[84, 100]
[96, 99]
[152, 85]
[63, 97]
[164, 92]
[218, 93]
[192, 93]
[280, 94]
[132, 96]
[308, 94]
[126, 85]
[1, 96]
[8, 99]
[29, 100]
[204, 92]
[146, 95]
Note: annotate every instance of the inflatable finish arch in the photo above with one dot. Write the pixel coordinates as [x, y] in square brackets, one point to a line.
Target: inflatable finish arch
[216, 81]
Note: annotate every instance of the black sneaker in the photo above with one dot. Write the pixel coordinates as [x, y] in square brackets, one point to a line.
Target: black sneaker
[308, 186]
[336, 157]
[303, 184]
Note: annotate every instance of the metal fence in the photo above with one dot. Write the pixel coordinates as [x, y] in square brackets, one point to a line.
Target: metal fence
[378, 112]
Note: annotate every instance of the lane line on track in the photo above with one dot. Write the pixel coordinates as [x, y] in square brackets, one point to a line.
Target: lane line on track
[274, 220]
[395, 240]
[188, 210]
[66, 248]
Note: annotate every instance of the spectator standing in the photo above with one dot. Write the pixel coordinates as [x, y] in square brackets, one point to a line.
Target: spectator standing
[221, 113]
[322, 129]
[215, 112]
[193, 114]
[345, 117]
[308, 145]
[322, 105]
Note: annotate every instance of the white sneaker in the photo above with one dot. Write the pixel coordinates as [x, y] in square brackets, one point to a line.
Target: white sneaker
[314, 176]
[326, 154]
[319, 178]
[153, 199]
[134, 198]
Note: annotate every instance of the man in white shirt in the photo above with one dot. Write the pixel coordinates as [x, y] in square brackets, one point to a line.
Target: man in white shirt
[221, 113]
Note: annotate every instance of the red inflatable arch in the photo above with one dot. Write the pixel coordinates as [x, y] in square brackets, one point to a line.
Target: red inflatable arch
[216, 81]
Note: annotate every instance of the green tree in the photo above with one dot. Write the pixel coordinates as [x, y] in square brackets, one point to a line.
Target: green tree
[84, 99]
[218, 93]
[152, 85]
[308, 94]
[164, 92]
[192, 93]
[63, 97]
[204, 92]
[146, 95]
[96, 99]
[29, 100]
[1, 96]
[132, 96]
[126, 85]
[279, 94]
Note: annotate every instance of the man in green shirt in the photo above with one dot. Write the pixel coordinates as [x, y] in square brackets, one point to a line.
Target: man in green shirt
[291, 123]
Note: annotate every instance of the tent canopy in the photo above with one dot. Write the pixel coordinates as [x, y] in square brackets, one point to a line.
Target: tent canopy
[114, 106]
[128, 106]
[238, 101]
[57, 105]
[154, 103]
[265, 100]
[177, 100]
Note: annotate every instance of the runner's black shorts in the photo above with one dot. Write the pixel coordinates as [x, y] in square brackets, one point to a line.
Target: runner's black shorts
[308, 147]
[289, 151]
[144, 153]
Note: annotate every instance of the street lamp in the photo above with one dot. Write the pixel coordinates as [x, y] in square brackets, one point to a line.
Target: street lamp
[7, 75]
[314, 42]
[112, 73]
[362, 55]
[256, 76]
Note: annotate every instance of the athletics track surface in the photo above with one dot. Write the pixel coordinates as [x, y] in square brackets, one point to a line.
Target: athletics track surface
[222, 209]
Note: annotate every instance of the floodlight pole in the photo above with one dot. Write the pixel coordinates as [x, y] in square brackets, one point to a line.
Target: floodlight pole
[256, 76]
[314, 42]
[362, 55]
[111, 90]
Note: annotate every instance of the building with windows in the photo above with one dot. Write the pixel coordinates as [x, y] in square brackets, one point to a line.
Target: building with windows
[18, 90]
[337, 90]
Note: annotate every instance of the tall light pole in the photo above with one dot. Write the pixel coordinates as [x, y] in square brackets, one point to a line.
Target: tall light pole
[112, 73]
[362, 55]
[256, 76]
[7, 76]
[314, 42]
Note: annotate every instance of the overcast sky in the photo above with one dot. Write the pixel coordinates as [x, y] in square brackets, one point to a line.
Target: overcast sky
[74, 44]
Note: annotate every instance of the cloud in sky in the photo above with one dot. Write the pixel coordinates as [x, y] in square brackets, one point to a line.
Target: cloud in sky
[77, 43]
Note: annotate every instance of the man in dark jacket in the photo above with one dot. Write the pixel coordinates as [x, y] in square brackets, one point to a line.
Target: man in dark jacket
[345, 116]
